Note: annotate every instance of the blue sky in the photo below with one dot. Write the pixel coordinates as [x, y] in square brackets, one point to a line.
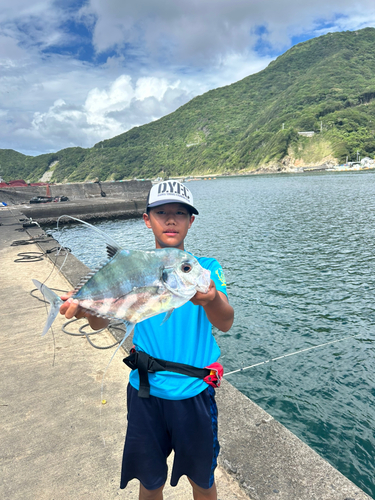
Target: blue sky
[74, 72]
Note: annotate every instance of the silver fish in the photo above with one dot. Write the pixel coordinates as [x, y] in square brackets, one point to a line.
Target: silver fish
[135, 285]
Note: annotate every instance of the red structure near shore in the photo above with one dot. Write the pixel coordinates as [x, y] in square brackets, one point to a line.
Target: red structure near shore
[21, 183]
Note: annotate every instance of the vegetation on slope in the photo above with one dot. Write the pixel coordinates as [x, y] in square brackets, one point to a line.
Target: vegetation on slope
[325, 85]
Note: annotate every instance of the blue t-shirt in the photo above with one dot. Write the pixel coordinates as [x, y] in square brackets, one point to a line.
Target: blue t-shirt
[186, 337]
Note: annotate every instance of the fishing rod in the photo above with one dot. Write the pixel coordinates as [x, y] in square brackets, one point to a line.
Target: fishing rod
[287, 355]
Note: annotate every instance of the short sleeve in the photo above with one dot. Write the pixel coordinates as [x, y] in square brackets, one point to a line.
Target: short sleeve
[217, 273]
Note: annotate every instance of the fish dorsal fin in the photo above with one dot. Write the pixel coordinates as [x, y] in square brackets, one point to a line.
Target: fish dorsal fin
[112, 246]
[111, 251]
[85, 279]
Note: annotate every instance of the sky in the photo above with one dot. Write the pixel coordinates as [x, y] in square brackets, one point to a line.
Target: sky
[75, 72]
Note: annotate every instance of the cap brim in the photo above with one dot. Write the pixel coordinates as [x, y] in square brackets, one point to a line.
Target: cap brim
[165, 202]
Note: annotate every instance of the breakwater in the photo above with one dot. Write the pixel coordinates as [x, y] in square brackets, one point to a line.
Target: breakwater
[87, 201]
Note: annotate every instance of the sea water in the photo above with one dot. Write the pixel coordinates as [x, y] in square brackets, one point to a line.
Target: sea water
[298, 255]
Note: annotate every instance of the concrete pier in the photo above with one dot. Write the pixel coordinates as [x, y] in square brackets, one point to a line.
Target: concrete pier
[88, 210]
[86, 200]
[60, 442]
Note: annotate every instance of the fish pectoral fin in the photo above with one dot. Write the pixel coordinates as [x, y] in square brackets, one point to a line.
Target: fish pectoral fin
[167, 316]
[129, 328]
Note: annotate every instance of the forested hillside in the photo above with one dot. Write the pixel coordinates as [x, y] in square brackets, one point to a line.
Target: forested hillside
[325, 85]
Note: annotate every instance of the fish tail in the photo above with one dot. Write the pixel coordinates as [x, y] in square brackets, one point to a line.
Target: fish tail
[53, 299]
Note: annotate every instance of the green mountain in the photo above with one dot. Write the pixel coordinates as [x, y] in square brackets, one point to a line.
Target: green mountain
[325, 85]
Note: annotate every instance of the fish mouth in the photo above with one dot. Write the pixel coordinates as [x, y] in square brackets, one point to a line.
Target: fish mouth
[203, 282]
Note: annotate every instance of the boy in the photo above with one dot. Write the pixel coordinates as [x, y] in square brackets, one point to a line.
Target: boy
[180, 412]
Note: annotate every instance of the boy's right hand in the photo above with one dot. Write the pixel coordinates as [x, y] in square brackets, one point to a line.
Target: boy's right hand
[71, 308]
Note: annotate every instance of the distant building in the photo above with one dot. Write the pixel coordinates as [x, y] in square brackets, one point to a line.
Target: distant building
[306, 134]
[367, 162]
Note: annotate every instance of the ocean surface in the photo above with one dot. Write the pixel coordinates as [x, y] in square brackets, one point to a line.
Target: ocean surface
[298, 255]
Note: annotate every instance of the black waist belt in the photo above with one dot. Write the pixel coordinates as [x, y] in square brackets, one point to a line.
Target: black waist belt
[147, 364]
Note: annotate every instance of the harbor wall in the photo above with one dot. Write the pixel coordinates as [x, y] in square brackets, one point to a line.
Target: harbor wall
[126, 190]
[85, 200]
[87, 210]
[263, 456]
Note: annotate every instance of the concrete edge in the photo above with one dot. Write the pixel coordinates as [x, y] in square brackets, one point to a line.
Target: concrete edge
[87, 210]
[263, 456]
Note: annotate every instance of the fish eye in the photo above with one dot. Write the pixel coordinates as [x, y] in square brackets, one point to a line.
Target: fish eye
[186, 267]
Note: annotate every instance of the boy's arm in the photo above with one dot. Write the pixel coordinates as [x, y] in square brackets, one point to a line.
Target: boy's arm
[70, 308]
[219, 312]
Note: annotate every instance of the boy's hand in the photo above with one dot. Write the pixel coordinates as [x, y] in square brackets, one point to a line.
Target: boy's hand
[215, 303]
[71, 309]
[202, 299]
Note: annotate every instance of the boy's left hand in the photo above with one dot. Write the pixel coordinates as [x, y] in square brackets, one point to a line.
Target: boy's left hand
[215, 303]
[202, 299]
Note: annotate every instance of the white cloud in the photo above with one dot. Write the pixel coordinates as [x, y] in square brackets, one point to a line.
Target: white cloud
[154, 57]
[105, 113]
[199, 31]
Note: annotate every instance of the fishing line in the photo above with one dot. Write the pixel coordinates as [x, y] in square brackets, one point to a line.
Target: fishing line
[54, 267]
[42, 300]
[98, 331]
[31, 241]
[37, 256]
[82, 333]
[29, 257]
[287, 355]
[103, 401]
[104, 235]
[107, 239]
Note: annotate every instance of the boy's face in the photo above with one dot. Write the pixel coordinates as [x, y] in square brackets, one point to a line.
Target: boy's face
[169, 223]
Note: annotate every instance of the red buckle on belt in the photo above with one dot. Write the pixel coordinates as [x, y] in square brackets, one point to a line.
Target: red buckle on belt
[215, 375]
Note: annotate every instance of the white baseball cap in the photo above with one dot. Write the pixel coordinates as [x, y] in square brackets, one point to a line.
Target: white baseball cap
[170, 192]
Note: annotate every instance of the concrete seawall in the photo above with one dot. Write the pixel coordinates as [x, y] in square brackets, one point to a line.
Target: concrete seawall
[261, 456]
[88, 210]
[126, 190]
[85, 200]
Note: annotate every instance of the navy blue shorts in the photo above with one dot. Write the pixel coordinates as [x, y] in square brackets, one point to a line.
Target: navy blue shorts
[157, 426]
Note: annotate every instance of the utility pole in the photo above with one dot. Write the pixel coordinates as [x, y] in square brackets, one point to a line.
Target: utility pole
[321, 127]
[283, 126]
[357, 155]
